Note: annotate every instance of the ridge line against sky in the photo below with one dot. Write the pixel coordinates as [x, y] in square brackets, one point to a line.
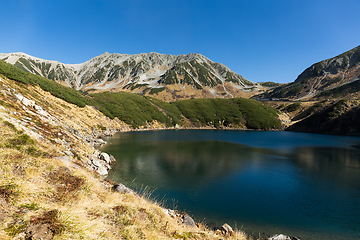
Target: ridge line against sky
[262, 40]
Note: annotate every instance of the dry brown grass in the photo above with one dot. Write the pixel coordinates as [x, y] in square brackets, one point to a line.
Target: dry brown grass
[37, 189]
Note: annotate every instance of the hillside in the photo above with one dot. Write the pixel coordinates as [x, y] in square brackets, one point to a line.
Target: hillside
[166, 77]
[323, 99]
[142, 112]
[50, 173]
[330, 117]
[337, 77]
[333, 116]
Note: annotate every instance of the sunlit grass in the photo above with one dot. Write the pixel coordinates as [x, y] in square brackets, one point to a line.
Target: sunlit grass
[36, 188]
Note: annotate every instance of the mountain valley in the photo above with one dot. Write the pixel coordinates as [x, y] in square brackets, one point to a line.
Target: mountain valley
[50, 127]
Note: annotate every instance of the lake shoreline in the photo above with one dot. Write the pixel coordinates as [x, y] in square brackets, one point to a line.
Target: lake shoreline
[194, 128]
[195, 139]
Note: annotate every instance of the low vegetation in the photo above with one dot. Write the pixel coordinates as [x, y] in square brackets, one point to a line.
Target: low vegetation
[330, 117]
[342, 91]
[133, 109]
[137, 111]
[68, 94]
[39, 195]
[292, 107]
[235, 112]
[43, 197]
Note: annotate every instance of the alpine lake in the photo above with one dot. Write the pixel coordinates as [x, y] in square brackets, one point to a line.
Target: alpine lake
[262, 182]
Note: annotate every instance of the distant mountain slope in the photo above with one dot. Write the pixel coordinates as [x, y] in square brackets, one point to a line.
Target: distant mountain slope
[333, 77]
[167, 77]
[331, 117]
[142, 111]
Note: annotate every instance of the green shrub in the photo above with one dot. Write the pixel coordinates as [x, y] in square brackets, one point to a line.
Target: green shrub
[19, 141]
[236, 111]
[133, 109]
[156, 90]
[137, 110]
[292, 107]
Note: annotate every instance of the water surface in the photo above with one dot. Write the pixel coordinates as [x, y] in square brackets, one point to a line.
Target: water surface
[304, 185]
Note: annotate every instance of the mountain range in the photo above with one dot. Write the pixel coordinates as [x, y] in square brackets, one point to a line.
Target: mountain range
[324, 98]
[49, 165]
[166, 77]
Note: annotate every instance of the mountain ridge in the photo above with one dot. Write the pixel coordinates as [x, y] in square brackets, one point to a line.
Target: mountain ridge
[167, 77]
[52, 177]
[323, 79]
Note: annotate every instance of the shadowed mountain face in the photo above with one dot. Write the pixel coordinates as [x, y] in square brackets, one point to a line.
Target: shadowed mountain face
[332, 78]
[166, 77]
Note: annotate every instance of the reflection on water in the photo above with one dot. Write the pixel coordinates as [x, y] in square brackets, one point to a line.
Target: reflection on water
[301, 184]
[182, 164]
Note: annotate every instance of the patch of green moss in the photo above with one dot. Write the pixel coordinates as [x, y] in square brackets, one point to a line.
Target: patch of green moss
[156, 90]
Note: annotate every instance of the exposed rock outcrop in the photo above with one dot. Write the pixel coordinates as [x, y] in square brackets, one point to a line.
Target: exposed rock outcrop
[122, 189]
[166, 77]
[100, 162]
[187, 220]
[225, 230]
[282, 237]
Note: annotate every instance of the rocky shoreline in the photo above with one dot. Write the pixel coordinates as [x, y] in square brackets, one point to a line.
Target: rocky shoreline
[72, 136]
[101, 160]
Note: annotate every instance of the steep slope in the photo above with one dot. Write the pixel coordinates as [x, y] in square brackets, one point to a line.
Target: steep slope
[146, 112]
[166, 77]
[331, 117]
[334, 77]
[48, 185]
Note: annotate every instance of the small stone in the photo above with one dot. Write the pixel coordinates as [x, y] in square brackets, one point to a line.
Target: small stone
[107, 166]
[105, 157]
[38, 108]
[188, 220]
[102, 171]
[99, 142]
[112, 159]
[225, 230]
[282, 237]
[122, 189]
[96, 163]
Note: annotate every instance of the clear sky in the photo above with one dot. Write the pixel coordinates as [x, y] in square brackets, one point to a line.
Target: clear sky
[262, 40]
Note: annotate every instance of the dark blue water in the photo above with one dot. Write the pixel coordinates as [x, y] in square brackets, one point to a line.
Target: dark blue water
[304, 185]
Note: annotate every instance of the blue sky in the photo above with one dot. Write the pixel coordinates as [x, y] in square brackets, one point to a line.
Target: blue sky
[263, 40]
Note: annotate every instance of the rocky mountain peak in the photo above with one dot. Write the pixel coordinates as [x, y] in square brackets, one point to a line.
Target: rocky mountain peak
[167, 77]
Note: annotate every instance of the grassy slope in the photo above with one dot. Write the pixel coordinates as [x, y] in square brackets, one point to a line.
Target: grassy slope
[341, 92]
[137, 110]
[133, 109]
[68, 94]
[236, 112]
[37, 189]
